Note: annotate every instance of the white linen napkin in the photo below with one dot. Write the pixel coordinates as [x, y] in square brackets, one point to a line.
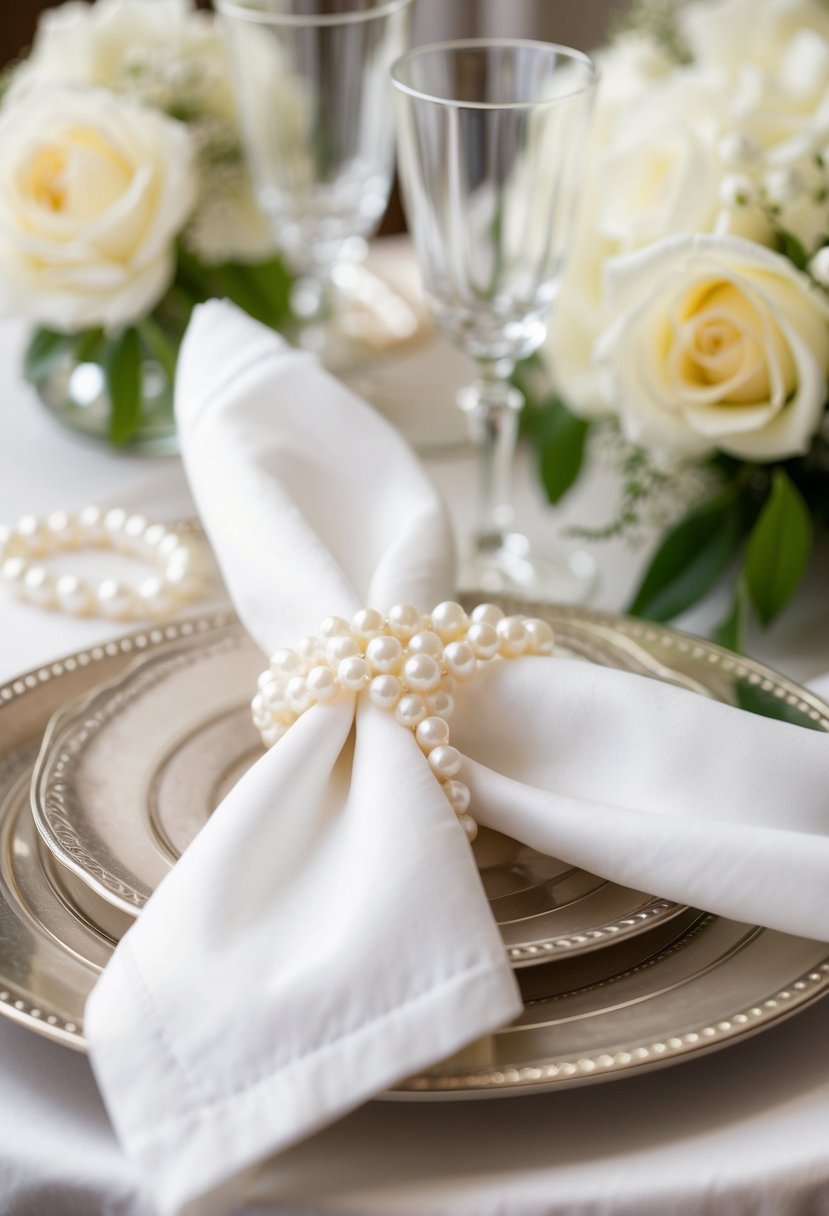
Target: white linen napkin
[327, 934]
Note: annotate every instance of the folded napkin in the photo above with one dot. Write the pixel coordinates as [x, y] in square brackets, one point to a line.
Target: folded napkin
[327, 933]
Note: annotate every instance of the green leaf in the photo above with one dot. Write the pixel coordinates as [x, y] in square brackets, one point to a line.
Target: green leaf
[778, 549]
[731, 630]
[159, 346]
[757, 701]
[46, 347]
[793, 249]
[560, 440]
[690, 560]
[123, 374]
[273, 282]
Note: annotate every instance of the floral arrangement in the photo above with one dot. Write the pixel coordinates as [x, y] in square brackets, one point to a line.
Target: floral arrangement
[693, 322]
[125, 196]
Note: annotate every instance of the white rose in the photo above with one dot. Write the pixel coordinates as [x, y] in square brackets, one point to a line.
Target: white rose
[95, 44]
[653, 172]
[93, 191]
[727, 34]
[169, 56]
[718, 343]
[660, 172]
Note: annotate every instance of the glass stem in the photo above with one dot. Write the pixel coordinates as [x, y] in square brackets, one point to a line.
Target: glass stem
[312, 304]
[492, 405]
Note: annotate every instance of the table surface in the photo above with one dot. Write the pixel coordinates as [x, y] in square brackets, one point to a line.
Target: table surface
[743, 1130]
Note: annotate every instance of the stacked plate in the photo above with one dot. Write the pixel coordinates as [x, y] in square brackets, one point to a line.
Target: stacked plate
[114, 758]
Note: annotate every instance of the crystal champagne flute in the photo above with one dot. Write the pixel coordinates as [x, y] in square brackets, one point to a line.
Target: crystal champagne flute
[311, 84]
[490, 143]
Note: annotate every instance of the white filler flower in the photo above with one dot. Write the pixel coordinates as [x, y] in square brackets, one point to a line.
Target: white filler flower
[93, 191]
[718, 343]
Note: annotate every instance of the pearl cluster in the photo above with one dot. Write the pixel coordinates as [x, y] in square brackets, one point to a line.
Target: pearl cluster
[407, 664]
[181, 564]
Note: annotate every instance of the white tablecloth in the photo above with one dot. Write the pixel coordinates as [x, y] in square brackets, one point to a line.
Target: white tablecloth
[743, 1131]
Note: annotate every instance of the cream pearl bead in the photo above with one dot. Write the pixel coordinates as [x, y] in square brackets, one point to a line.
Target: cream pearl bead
[156, 596]
[421, 673]
[153, 536]
[460, 660]
[13, 569]
[487, 614]
[275, 698]
[38, 587]
[134, 527]
[410, 710]
[115, 599]
[354, 674]
[114, 521]
[265, 680]
[385, 691]
[483, 640]
[432, 732]
[404, 620]
[512, 636]
[298, 695]
[367, 623]
[73, 595]
[469, 826]
[540, 635]
[459, 796]
[339, 648]
[36, 540]
[334, 627]
[91, 523]
[445, 761]
[286, 663]
[322, 683]
[383, 654]
[310, 651]
[61, 528]
[449, 620]
[426, 642]
[441, 703]
[167, 546]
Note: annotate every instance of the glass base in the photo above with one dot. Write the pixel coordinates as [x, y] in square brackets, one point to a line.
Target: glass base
[509, 564]
[76, 394]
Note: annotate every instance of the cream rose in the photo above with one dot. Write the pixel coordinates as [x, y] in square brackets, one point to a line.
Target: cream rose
[171, 57]
[718, 343]
[93, 191]
[727, 34]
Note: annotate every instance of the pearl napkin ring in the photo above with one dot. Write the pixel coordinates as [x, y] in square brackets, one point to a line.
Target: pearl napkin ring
[407, 664]
[181, 564]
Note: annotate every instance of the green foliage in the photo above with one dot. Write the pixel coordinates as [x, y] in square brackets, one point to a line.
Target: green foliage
[123, 376]
[262, 289]
[778, 549]
[693, 556]
[560, 439]
[793, 249]
[731, 630]
[756, 700]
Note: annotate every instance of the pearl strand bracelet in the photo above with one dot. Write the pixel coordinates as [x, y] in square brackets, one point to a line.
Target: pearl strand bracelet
[182, 564]
[406, 663]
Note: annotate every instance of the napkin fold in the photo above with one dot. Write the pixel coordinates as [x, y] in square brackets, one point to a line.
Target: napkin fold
[327, 933]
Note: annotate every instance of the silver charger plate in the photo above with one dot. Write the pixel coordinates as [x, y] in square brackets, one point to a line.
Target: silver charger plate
[691, 984]
[127, 776]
